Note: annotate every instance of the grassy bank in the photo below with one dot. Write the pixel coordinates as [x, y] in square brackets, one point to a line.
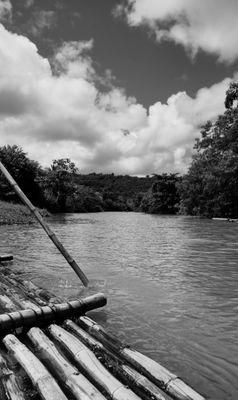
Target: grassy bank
[11, 213]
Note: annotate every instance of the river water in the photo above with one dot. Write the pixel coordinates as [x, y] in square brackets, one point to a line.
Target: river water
[171, 284]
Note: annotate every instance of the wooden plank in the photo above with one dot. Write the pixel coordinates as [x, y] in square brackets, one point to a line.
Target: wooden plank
[87, 361]
[72, 379]
[40, 377]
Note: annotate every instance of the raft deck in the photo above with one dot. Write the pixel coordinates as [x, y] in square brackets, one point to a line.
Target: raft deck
[52, 356]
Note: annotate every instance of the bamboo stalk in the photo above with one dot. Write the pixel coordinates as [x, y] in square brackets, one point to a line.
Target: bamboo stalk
[65, 372]
[87, 361]
[6, 303]
[40, 377]
[101, 334]
[44, 225]
[47, 314]
[6, 257]
[14, 298]
[139, 383]
[76, 383]
[28, 289]
[155, 372]
[172, 385]
[8, 379]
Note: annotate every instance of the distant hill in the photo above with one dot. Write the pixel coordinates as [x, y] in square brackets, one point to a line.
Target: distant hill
[124, 185]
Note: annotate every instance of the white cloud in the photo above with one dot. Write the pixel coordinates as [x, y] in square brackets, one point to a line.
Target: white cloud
[65, 115]
[5, 10]
[28, 3]
[209, 25]
[72, 59]
[40, 21]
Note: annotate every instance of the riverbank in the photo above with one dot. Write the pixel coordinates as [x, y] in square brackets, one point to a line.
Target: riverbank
[11, 213]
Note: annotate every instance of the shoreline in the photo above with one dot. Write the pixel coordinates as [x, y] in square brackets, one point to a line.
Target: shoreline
[13, 213]
[19, 214]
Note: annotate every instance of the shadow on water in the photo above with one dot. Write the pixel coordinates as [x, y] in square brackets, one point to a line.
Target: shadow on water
[171, 284]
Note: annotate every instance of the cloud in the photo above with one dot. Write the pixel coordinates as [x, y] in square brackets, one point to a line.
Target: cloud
[209, 25]
[5, 10]
[72, 59]
[65, 114]
[40, 21]
[28, 3]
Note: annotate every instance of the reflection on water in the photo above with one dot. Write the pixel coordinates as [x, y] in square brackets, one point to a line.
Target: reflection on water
[171, 284]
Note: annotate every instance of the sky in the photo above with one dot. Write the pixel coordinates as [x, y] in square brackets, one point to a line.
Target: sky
[119, 86]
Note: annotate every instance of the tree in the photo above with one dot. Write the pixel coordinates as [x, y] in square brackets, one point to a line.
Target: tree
[84, 199]
[24, 171]
[231, 95]
[162, 197]
[58, 183]
[210, 187]
[64, 166]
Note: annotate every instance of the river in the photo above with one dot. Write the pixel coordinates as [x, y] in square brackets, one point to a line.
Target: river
[171, 284]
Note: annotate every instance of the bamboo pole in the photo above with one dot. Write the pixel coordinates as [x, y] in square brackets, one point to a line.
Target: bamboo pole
[6, 258]
[9, 382]
[60, 367]
[40, 377]
[12, 298]
[47, 314]
[27, 289]
[44, 225]
[69, 376]
[6, 303]
[128, 375]
[155, 372]
[87, 361]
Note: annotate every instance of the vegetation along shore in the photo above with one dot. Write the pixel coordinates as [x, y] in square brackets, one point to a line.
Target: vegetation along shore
[209, 188]
[12, 213]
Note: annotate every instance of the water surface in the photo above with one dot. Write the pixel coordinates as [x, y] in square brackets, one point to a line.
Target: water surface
[171, 284]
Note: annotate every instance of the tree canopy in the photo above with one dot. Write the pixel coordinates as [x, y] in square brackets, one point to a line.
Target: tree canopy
[58, 185]
[210, 187]
[163, 196]
[24, 171]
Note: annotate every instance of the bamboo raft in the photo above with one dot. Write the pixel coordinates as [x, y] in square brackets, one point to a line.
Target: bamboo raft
[51, 350]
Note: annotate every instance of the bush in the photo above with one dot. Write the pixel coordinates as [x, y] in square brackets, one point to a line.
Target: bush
[24, 171]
